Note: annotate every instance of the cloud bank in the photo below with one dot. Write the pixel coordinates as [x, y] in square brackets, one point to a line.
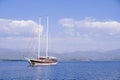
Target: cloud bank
[19, 28]
[90, 23]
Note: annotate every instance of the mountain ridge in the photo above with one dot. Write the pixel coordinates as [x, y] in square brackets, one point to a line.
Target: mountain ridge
[76, 55]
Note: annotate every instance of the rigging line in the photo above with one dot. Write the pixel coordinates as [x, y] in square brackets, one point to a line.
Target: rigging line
[30, 43]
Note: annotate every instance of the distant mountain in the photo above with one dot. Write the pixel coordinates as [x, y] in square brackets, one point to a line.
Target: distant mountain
[77, 55]
[13, 54]
[91, 55]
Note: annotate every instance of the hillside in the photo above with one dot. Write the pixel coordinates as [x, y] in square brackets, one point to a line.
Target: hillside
[77, 55]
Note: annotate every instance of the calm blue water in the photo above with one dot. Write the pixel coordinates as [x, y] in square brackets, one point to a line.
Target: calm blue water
[20, 70]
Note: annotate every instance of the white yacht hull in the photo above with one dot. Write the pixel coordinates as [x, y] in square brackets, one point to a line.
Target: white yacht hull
[43, 64]
[45, 61]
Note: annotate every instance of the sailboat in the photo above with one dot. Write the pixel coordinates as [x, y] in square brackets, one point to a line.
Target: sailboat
[43, 60]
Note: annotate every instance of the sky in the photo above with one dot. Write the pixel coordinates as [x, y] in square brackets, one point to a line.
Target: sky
[74, 25]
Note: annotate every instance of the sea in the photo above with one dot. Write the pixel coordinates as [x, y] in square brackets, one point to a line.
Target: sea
[64, 70]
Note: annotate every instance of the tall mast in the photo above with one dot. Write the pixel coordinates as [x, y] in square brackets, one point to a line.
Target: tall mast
[39, 37]
[47, 38]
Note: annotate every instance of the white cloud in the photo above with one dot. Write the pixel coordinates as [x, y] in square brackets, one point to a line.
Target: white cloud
[67, 22]
[69, 44]
[69, 32]
[89, 34]
[110, 26]
[18, 27]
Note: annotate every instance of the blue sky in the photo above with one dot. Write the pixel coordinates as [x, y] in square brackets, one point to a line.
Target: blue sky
[74, 25]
